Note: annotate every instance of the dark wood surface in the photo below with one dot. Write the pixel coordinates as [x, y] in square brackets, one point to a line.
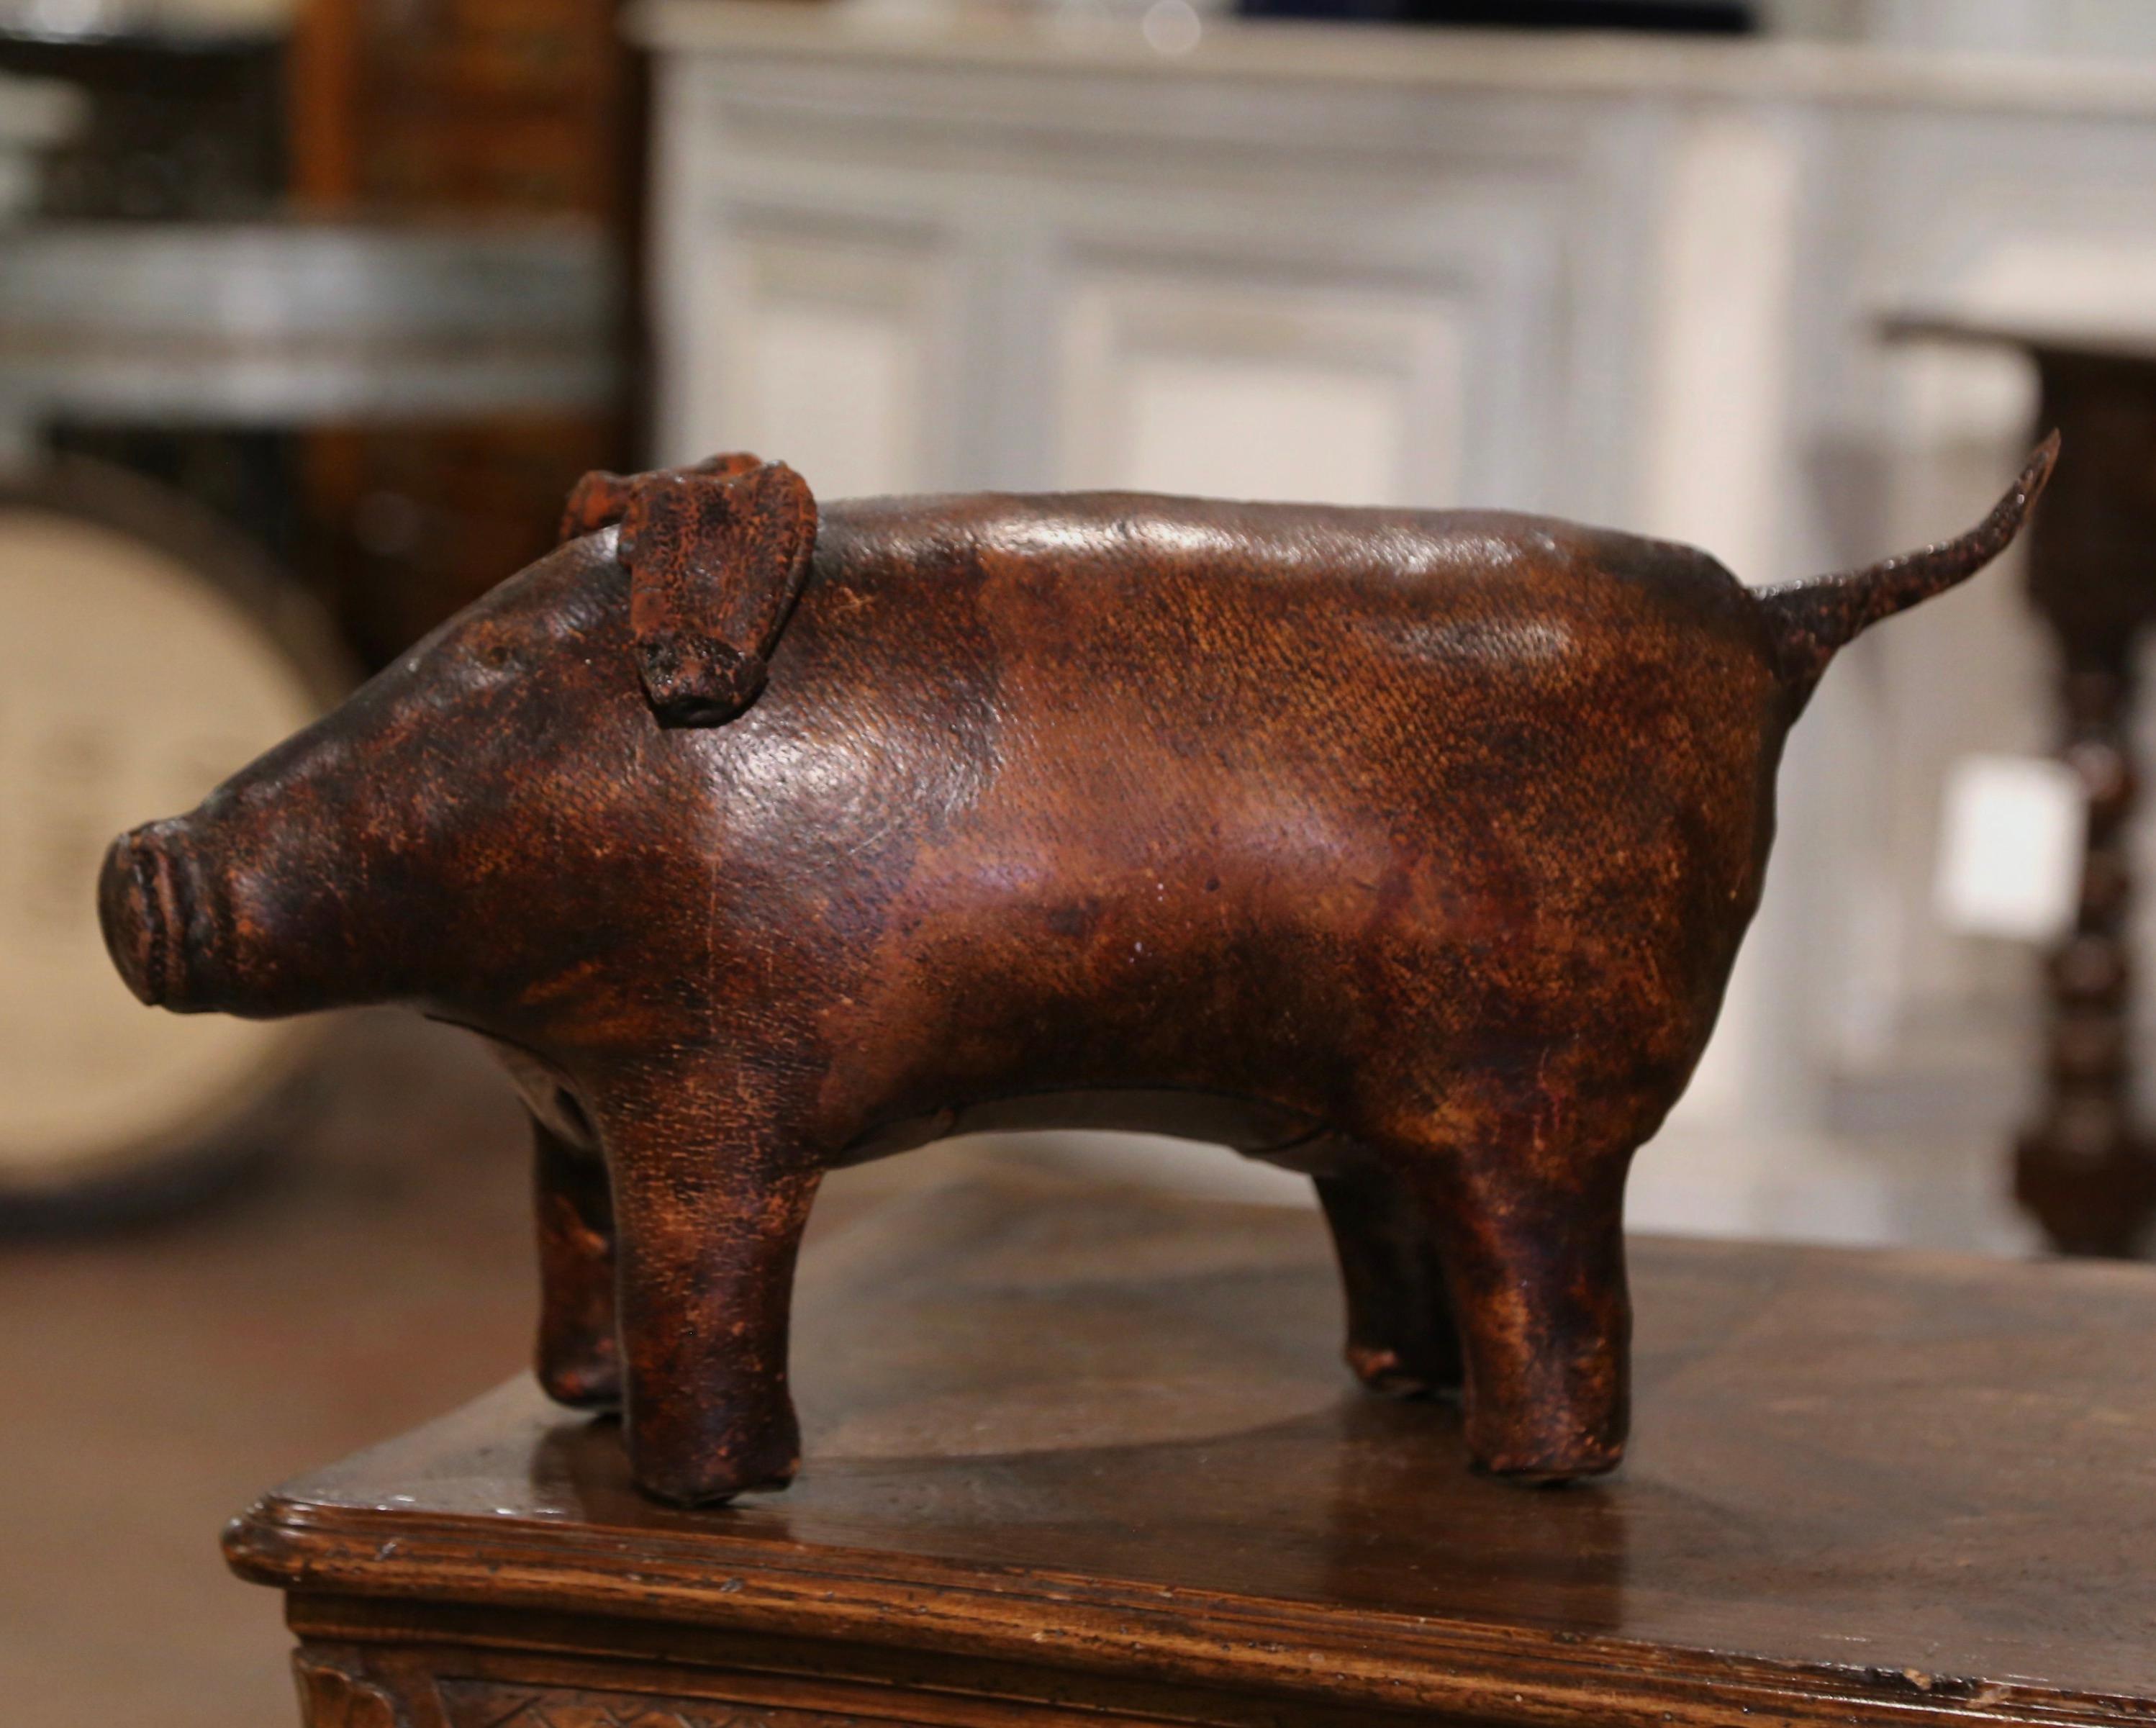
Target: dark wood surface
[1062, 1439]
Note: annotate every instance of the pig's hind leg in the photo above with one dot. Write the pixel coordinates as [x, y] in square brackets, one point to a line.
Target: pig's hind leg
[1401, 1338]
[712, 1185]
[579, 1357]
[1525, 1197]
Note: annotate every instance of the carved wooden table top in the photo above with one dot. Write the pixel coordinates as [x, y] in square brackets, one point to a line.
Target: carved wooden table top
[1077, 1447]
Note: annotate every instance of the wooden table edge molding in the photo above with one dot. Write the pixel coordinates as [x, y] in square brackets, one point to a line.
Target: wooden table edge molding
[324, 1557]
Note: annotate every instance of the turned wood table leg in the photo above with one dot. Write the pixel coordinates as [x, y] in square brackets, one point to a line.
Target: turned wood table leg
[2083, 1169]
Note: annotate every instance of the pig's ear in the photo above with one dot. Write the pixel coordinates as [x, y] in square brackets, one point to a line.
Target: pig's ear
[596, 500]
[728, 466]
[600, 497]
[714, 565]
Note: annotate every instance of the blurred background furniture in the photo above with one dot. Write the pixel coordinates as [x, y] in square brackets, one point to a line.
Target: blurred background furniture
[1702, 18]
[375, 416]
[124, 601]
[370, 112]
[132, 600]
[458, 111]
[36, 115]
[275, 325]
[2086, 1168]
[180, 108]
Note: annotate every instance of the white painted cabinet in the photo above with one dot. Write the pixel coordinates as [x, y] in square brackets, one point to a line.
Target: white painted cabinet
[1635, 282]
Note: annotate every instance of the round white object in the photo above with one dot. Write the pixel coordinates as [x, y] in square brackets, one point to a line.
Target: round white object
[130, 685]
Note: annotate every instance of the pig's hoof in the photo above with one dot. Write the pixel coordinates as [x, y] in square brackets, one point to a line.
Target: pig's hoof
[1400, 1374]
[714, 1487]
[590, 1382]
[1541, 1466]
[713, 1477]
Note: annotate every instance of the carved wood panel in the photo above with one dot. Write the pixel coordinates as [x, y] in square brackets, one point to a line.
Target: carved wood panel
[334, 1694]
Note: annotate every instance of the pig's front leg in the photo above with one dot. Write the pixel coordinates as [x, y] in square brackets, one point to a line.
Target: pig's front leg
[579, 1359]
[711, 1191]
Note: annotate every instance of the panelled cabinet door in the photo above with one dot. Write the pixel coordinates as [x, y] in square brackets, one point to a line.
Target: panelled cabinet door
[828, 350]
[1222, 388]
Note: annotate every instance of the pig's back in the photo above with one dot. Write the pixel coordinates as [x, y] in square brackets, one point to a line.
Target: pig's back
[1135, 757]
[1244, 603]
[1114, 653]
[1106, 535]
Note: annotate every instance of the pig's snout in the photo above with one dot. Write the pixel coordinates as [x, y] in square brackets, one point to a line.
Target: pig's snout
[142, 905]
